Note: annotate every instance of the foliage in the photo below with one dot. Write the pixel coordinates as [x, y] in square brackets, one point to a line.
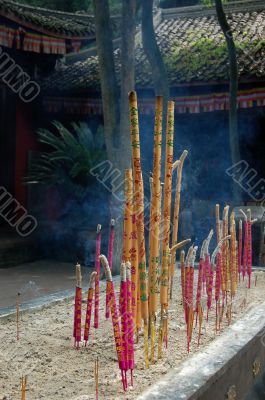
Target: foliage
[71, 5]
[202, 51]
[69, 158]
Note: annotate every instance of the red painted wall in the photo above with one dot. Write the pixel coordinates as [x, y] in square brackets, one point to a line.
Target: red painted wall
[25, 141]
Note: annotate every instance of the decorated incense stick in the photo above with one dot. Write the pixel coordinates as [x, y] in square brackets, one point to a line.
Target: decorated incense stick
[23, 387]
[164, 278]
[110, 257]
[97, 269]
[78, 307]
[131, 241]
[154, 228]
[96, 375]
[130, 353]
[240, 245]
[187, 284]
[139, 208]
[90, 294]
[176, 216]
[216, 255]
[245, 249]
[209, 273]
[200, 323]
[249, 246]
[124, 317]
[233, 256]
[190, 313]
[18, 315]
[225, 256]
[115, 319]
[200, 278]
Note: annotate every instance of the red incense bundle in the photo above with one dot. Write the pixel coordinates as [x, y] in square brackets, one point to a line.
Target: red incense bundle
[90, 294]
[78, 307]
[115, 319]
[110, 258]
[130, 354]
[97, 269]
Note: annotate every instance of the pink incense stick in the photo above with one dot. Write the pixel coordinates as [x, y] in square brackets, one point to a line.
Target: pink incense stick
[110, 259]
[199, 288]
[78, 308]
[97, 270]
[89, 306]
[130, 358]
[240, 245]
[115, 320]
[124, 317]
[249, 253]
[245, 251]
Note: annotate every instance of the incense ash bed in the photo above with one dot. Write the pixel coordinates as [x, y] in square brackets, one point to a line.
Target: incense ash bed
[56, 370]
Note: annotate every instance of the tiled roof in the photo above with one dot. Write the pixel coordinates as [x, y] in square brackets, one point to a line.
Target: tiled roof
[193, 48]
[50, 21]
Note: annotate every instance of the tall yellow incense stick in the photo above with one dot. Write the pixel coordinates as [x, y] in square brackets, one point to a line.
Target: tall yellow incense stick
[166, 225]
[139, 206]
[176, 217]
[130, 244]
[155, 218]
[128, 215]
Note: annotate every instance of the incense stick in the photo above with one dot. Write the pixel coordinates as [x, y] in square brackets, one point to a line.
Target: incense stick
[96, 375]
[176, 216]
[139, 208]
[164, 277]
[23, 387]
[18, 316]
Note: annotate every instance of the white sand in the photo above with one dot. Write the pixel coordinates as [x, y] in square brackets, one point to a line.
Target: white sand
[56, 370]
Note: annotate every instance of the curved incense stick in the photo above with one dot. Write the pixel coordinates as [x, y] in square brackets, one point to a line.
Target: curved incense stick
[179, 245]
[218, 248]
[207, 242]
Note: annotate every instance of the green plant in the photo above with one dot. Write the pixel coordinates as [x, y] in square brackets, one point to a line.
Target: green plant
[68, 159]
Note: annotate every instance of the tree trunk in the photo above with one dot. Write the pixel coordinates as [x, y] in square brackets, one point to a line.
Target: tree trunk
[233, 72]
[152, 51]
[115, 103]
